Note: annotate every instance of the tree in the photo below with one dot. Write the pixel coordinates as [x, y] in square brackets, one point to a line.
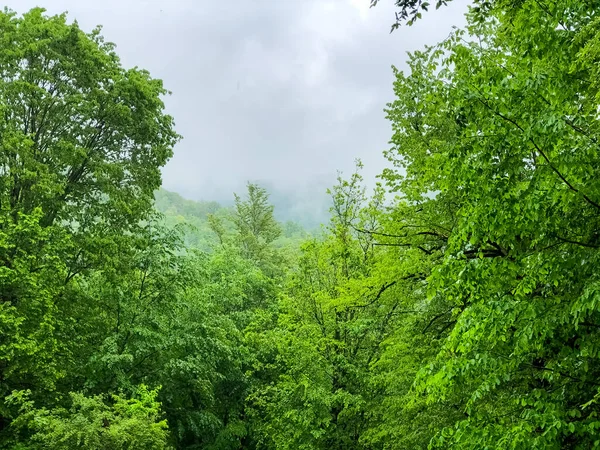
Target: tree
[255, 224]
[172, 319]
[496, 130]
[82, 141]
[324, 376]
[94, 423]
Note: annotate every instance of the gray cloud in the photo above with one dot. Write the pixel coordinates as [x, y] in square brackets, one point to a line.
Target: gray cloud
[283, 91]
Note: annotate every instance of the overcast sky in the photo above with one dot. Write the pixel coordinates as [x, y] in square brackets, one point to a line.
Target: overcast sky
[281, 91]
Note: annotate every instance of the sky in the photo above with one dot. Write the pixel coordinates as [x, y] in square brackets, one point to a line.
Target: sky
[281, 92]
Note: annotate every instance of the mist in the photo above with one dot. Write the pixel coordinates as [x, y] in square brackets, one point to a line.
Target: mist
[280, 93]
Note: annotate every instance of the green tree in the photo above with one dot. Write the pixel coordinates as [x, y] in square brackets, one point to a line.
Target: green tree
[322, 380]
[82, 141]
[496, 131]
[172, 319]
[255, 224]
[93, 423]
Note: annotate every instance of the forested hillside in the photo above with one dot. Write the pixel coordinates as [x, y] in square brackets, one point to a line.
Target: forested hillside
[204, 225]
[455, 305]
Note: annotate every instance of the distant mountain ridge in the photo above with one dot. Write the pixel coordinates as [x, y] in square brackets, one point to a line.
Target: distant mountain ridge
[306, 205]
[193, 215]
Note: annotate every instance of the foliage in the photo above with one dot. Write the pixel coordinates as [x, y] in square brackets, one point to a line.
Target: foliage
[497, 126]
[82, 141]
[454, 307]
[255, 224]
[92, 423]
[326, 336]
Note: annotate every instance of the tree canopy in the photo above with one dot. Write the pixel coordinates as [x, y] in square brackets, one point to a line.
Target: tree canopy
[453, 305]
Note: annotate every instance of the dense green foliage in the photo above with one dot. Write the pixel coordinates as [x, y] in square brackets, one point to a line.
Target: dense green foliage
[456, 306]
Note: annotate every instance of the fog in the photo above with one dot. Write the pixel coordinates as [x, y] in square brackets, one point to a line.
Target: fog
[282, 92]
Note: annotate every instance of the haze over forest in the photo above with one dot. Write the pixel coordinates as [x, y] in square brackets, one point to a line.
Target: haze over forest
[283, 93]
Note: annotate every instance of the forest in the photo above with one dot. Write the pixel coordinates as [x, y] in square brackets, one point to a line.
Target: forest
[456, 304]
